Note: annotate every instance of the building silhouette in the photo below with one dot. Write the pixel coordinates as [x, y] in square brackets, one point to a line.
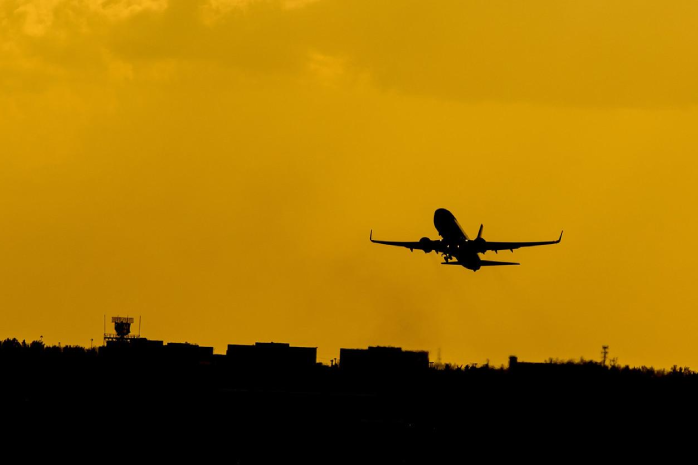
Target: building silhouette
[185, 350]
[380, 359]
[271, 356]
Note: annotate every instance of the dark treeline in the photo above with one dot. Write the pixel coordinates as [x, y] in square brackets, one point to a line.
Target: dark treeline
[203, 407]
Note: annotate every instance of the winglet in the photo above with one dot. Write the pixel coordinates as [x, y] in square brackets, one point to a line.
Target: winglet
[370, 237]
[479, 233]
[560, 236]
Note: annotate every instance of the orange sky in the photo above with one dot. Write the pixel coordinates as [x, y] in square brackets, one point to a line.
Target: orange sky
[215, 167]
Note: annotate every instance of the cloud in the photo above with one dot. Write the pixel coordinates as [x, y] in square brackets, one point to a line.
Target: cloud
[557, 53]
[550, 52]
[156, 159]
[37, 17]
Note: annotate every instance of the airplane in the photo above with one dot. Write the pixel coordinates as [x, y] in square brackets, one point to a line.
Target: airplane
[455, 244]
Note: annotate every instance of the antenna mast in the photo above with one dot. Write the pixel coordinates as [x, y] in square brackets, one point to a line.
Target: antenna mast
[604, 354]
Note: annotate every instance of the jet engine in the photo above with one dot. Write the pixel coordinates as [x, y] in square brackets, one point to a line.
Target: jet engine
[479, 242]
[427, 244]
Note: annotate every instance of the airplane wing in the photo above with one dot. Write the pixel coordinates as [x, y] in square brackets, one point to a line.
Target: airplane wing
[425, 244]
[491, 263]
[484, 263]
[486, 245]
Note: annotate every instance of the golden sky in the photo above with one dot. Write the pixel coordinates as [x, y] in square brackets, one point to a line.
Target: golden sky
[215, 166]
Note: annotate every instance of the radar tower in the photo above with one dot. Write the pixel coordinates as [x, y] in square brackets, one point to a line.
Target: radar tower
[122, 330]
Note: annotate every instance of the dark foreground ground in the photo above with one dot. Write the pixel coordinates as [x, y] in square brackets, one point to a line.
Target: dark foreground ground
[82, 406]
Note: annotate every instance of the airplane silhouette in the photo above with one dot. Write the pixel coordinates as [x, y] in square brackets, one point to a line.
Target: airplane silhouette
[455, 244]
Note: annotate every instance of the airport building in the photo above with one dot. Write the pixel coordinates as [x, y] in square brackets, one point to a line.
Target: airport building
[271, 355]
[185, 350]
[383, 359]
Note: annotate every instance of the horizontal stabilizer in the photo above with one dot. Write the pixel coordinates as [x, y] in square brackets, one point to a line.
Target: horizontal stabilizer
[484, 263]
[491, 263]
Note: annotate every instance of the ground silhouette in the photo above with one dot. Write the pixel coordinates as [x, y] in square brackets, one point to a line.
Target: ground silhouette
[171, 407]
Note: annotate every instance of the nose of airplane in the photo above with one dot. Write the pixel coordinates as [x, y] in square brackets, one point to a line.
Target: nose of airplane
[442, 215]
[442, 219]
[448, 227]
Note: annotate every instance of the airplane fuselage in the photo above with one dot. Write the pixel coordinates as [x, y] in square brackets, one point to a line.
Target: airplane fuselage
[455, 243]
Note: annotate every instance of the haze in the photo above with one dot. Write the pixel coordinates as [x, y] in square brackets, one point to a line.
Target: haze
[215, 167]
